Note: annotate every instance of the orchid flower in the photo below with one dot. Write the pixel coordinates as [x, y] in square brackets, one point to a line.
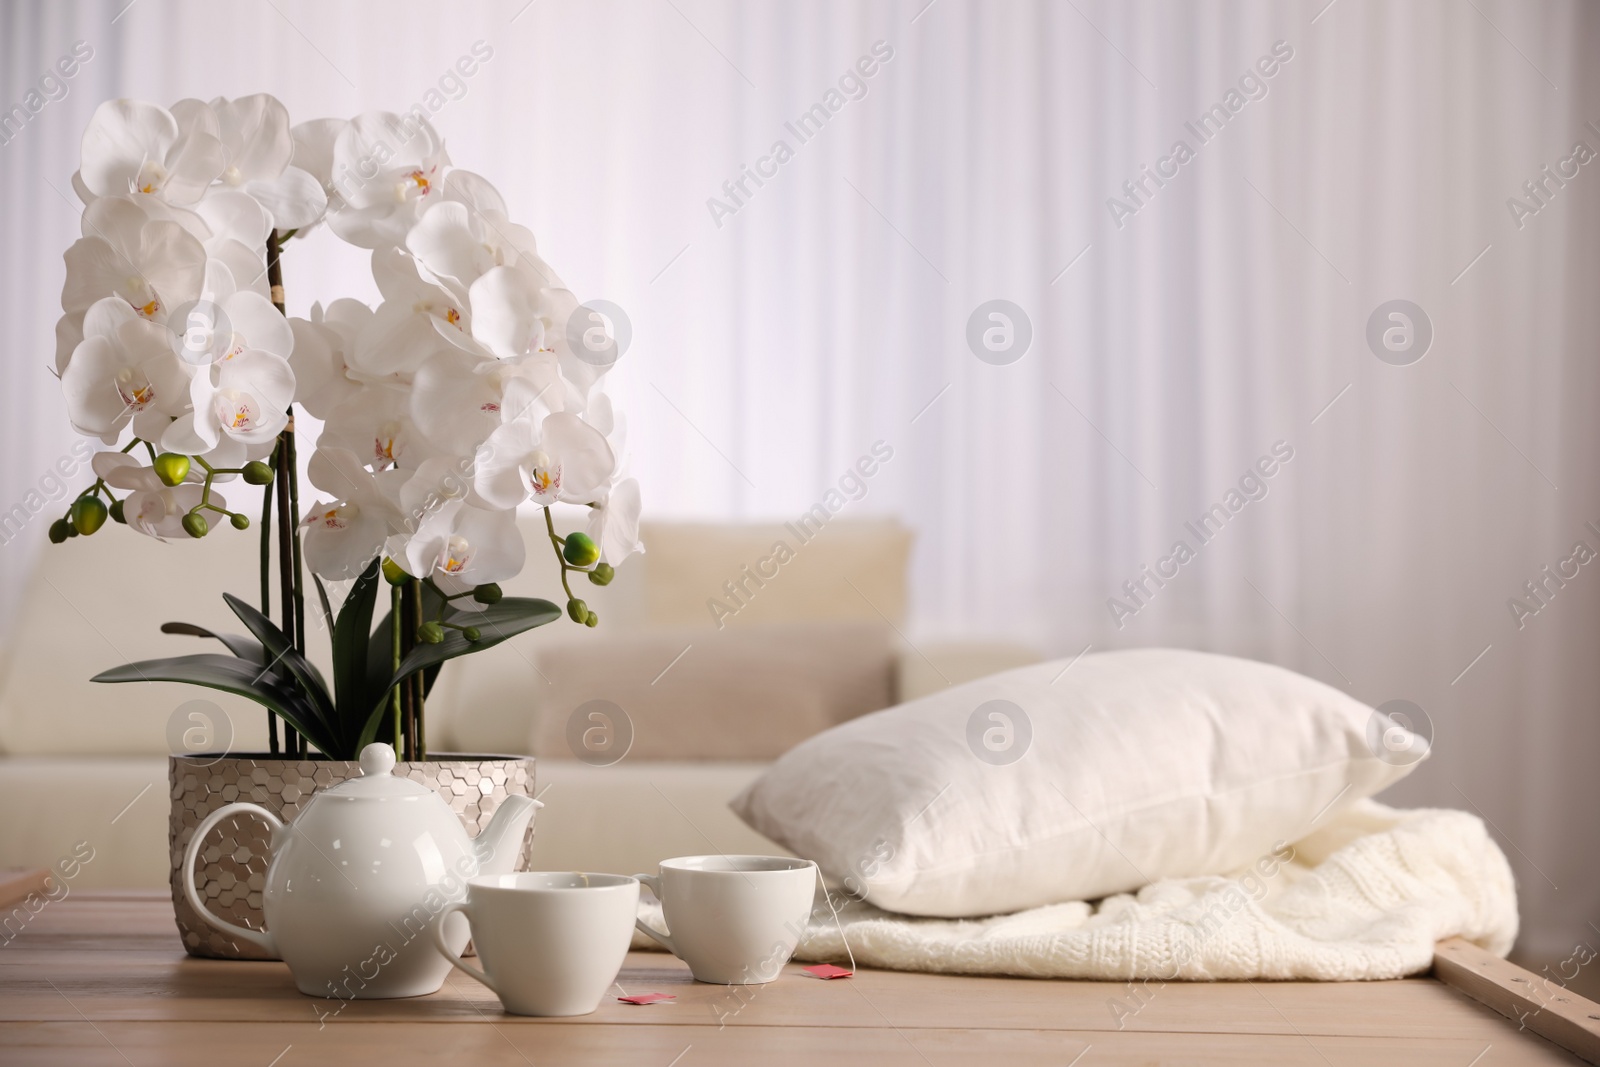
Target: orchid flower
[258, 148]
[614, 522]
[461, 546]
[514, 312]
[343, 536]
[239, 227]
[458, 399]
[614, 518]
[134, 147]
[123, 370]
[244, 396]
[376, 425]
[468, 233]
[385, 167]
[321, 358]
[405, 331]
[154, 265]
[313, 153]
[559, 457]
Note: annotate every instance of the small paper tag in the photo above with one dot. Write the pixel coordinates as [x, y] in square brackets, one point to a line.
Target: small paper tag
[828, 970]
[646, 998]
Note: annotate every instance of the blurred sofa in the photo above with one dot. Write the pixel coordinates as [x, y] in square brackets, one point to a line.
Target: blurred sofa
[711, 658]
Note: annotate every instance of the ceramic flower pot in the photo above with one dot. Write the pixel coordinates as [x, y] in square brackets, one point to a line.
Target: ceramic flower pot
[231, 870]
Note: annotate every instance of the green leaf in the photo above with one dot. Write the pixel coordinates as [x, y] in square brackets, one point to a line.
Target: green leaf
[351, 634]
[283, 654]
[238, 644]
[233, 675]
[498, 622]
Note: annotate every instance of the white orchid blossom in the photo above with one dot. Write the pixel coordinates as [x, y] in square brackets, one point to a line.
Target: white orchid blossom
[405, 331]
[244, 396]
[559, 457]
[375, 423]
[343, 536]
[123, 371]
[257, 152]
[614, 522]
[385, 170]
[461, 546]
[467, 234]
[323, 376]
[134, 147]
[153, 264]
[458, 399]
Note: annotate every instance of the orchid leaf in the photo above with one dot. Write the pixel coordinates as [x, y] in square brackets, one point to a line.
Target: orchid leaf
[351, 633]
[283, 653]
[238, 644]
[495, 623]
[231, 674]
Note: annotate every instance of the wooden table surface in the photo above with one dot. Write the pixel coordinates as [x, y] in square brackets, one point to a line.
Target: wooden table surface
[100, 978]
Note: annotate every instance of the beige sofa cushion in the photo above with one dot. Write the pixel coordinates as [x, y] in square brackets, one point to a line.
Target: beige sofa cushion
[849, 570]
[746, 694]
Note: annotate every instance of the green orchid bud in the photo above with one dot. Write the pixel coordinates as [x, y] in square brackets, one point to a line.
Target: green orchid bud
[257, 473]
[59, 531]
[472, 633]
[602, 574]
[194, 524]
[580, 550]
[72, 528]
[240, 522]
[394, 574]
[487, 594]
[88, 514]
[172, 468]
[116, 513]
[577, 610]
[430, 633]
[592, 621]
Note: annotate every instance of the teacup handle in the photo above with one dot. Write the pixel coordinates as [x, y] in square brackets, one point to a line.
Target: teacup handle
[653, 882]
[259, 938]
[455, 961]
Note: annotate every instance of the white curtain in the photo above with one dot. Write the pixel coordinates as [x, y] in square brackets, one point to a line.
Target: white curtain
[1176, 341]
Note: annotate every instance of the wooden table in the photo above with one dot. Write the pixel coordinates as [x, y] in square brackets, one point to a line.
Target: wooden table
[99, 978]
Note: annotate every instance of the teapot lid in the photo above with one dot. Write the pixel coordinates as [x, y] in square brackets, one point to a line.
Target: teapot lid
[377, 780]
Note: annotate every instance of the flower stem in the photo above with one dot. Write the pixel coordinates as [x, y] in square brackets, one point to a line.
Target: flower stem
[299, 568]
[418, 749]
[266, 596]
[549, 524]
[288, 555]
[395, 626]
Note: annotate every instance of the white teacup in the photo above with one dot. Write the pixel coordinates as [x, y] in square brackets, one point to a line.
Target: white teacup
[735, 920]
[551, 943]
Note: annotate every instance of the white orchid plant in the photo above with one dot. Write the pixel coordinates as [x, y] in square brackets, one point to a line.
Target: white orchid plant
[460, 398]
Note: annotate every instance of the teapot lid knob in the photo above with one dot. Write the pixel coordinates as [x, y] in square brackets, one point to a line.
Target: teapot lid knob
[377, 758]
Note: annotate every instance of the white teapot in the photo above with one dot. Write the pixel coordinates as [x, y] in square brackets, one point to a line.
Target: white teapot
[361, 874]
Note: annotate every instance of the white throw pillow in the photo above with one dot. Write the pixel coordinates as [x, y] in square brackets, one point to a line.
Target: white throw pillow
[1128, 768]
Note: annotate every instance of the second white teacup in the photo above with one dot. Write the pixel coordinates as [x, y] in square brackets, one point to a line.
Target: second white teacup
[735, 920]
[551, 943]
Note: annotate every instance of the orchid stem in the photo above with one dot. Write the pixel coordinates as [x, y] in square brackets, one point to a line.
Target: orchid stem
[395, 624]
[266, 597]
[549, 524]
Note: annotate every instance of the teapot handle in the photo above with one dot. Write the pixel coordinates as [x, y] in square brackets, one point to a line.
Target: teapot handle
[260, 938]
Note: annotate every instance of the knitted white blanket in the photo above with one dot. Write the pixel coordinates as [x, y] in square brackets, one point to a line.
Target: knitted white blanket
[1366, 897]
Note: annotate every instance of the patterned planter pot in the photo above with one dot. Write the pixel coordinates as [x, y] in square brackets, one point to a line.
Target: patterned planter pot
[232, 867]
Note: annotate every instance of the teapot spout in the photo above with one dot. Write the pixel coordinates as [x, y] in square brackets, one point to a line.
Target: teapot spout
[500, 843]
